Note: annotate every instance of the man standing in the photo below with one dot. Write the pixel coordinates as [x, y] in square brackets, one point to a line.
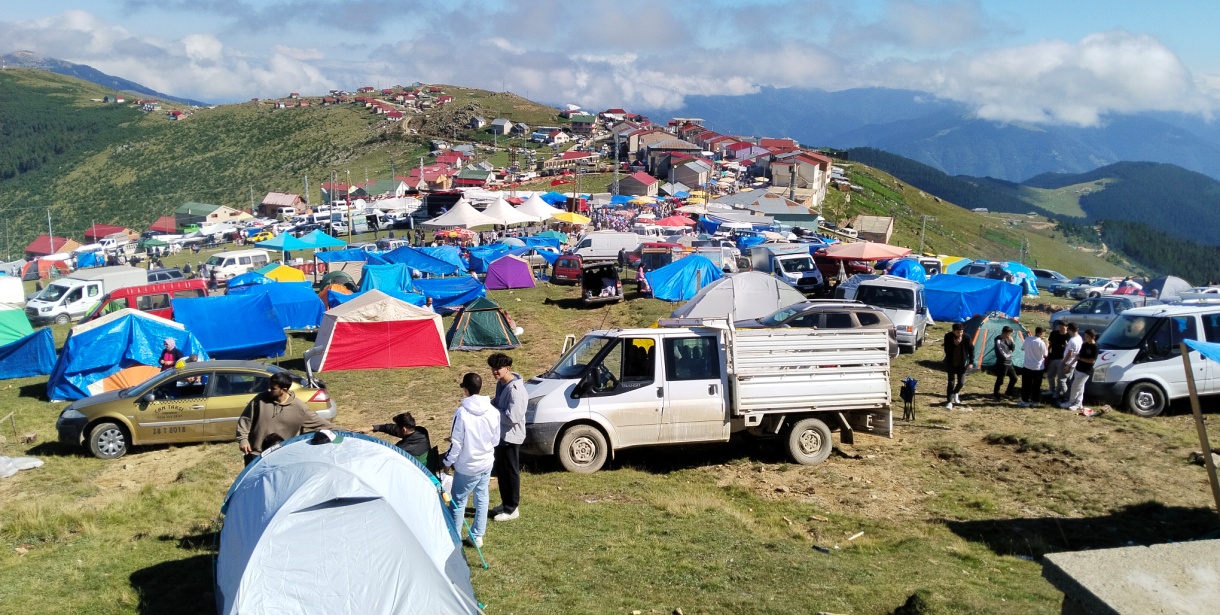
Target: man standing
[1067, 368]
[1056, 345]
[1031, 370]
[959, 355]
[1084, 369]
[1004, 345]
[277, 411]
[510, 400]
[472, 442]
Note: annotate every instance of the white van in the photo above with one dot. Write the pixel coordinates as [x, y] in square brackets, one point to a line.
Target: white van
[605, 245]
[903, 301]
[1140, 367]
[230, 264]
[285, 213]
[73, 295]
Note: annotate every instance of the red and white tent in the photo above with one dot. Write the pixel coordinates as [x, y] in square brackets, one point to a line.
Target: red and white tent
[377, 331]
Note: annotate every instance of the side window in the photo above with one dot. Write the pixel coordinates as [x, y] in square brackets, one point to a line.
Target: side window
[629, 365]
[94, 290]
[193, 293]
[1084, 307]
[1164, 342]
[692, 358]
[260, 260]
[584, 244]
[240, 384]
[75, 295]
[228, 263]
[838, 320]
[1102, 307]
[808, 321]
[868, 319]
[243, 260]
[183, 387]
[1211, 326]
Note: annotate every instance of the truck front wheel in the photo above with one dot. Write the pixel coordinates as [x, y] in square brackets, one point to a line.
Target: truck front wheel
[582, 449]
[809, 442]
[63, 319]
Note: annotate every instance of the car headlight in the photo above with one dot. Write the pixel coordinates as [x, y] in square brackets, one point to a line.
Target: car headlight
[45, 309]
[71, 414]
[531, 409]
[1099, 373]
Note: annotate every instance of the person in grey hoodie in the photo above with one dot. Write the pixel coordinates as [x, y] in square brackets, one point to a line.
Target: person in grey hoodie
[511, 401]
[1004, 347]
[475, 433]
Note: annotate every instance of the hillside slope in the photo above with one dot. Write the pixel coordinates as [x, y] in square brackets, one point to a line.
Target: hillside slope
[29, 59]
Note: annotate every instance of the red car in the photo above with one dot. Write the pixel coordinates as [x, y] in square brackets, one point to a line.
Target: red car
[567, 269]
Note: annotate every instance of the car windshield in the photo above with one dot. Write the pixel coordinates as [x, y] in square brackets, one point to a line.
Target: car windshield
[147, 385]
[215, 261]
[572, 363]
[796, 265]
[1126, 332]
[1079, 280]
[885, 297]
[777, 318]
[53, 293]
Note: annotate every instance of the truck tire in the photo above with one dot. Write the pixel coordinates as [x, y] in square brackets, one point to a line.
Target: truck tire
[582, 449]
[1144, 399]
[809, 442]
[63, 319]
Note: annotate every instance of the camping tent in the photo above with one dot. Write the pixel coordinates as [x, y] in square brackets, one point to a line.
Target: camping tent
[32, 355]
[908, 268]
[395, 278]
[463, 215]
[338, 299]
[13, 324]
[1022, 276]
[282, 273]
[42, 268]
[96, 352]
[359, 517]
[506, 215]
[234, 326]
[296, 306]
[376, 331]
[419, 261]
[955, 298]
[482, 324]
[847, 289]
[249, 278]
[509, 272]
[1167, 287]
[746, 295]
[982, 331]
[450, 294]
[327, 290]
[683, 278]
[448, 254]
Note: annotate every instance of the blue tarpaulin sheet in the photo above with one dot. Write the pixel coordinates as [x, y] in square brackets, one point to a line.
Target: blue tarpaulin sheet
[554, 198]
[1024, 276]
[449, 254]
[354, 255]
[242, 326]
[418, 261]
[535, 242]
[32, 355]
[90, 259]
[296, 304]
[681, 279]
[1209, 350]
[483, 256]
[336, 299]
[955, 298]
[386, 278]
[249, 278]
[708, 225]
[450, 294]
[112, 343]
[908, 268]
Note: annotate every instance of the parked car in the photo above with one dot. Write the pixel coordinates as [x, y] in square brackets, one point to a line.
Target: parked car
[1097, 313]
[204, 399]
[1061, 289]
[1045, 278]
[1103, 289]
[599, 283]
[566, 269]
[975, 270]
[157, 276]
[262, 236]
[827, 314]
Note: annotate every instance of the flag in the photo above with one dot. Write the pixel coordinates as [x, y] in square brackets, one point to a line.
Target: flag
[560, 182]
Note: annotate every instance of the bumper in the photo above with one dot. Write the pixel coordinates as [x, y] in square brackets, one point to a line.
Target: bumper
[1108, 392]
[907, 339]
[71, 431]
[540, 438]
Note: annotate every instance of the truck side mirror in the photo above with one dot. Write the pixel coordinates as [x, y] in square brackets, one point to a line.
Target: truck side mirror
[582, 387]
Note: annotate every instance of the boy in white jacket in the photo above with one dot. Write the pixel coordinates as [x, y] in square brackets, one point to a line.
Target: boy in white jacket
[472, 443]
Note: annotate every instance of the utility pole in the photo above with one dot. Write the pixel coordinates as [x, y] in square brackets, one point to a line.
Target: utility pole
[616, 164]
[306, 190]
[251, 199]
[50, 233]
[922, 230]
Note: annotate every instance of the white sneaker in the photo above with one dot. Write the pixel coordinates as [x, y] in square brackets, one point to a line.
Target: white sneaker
[474, 541]
[503, 516]
[957, 399]
[949, 406]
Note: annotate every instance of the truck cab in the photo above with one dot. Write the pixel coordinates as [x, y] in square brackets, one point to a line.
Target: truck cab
[789, 262]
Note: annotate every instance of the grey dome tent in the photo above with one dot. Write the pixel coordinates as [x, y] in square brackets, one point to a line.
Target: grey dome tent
[742, 296]
[1167, 288]
[339, 524]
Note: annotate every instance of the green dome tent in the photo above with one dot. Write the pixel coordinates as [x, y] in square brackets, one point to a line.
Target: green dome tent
[482, 324]
[982, 332]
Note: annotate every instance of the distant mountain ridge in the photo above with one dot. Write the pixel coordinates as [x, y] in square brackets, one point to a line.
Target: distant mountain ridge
[947, 136]
[29, 59]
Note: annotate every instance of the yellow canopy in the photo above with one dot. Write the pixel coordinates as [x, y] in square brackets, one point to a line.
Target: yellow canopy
[284, 273]
[571, 218]
[694, 200]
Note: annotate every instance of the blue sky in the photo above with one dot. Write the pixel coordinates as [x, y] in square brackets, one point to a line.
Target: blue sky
[1030, 60]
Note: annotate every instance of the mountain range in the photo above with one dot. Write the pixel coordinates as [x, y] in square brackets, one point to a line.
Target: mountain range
[29, 59]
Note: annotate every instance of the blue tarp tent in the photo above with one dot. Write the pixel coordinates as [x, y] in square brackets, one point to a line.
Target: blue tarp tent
[90, 259]
[1024, 276]
[249, 278]
[955, 298]
[536, 242]
[296, 304]
[449, 254]
[317, 239]
[418, 261]
[112, 343]
[450, 294]
[32, 355]
[1209, 350]
[908, 268]
[349, 503]
[354, 255]
[621, 199]
[554, 198]
[483, 256]
[385, 278]
[708, 225]
[336, 299]
[240, 326]
[682, 279]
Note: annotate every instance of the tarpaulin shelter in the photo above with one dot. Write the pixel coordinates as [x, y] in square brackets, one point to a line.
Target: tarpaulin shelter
[482, 256]
[95, 352]
[296, 306]
[13, 324]
[952, 264]
[249, 278]
[482, 324]
[561, 237]
[509, 272]
[90, 259]
[32, 355]
[317, 239]
[540, 241]
[43, 268]
[352, 255]
[1022, 276]
[337, 299]
[982, 331]
[448, 254]
[419, 261]
[908, 268]
[552, 198]
[682, 279]
[395, 278]
[282, 273]
[236, 326]
[348, 503]
[750, 294]
[376, 331]
[955, 298]
[284, 243]
[450, 294]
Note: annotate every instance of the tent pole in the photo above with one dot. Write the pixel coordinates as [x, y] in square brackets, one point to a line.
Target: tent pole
[1199, 426]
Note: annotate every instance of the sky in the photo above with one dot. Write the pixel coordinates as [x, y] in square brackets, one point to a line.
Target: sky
[1038, 61]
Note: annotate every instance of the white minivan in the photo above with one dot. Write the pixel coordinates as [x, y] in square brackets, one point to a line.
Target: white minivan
[605, 245]
[903, 301]
[1140, 366]
[231, 264]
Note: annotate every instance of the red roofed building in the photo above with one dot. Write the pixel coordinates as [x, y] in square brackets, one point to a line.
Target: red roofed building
[452, 160]
[812, 172]
[638, 184]
[435, 177]
[97, 232]
[781, 142]
[440, 100]
[164, 224]
[393, 115]
[46, 245]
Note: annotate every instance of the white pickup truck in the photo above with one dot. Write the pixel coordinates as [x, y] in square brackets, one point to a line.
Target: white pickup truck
[700, 381]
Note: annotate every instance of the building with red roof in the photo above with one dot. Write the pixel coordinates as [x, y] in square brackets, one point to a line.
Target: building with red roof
[638, 184]
[46, 245]
[98, 232]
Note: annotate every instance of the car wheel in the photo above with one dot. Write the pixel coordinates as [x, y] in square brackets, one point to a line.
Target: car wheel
[1145, 399]
[809, 442]
[63, 319]
[108, 440]
[582, 449]
[1094, 295]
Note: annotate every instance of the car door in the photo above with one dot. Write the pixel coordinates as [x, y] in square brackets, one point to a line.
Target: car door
[1163, 356]
[1098, 316]
[626, 390]
[231, 392]
[1211, 373]
[694, 390]
[178, 410]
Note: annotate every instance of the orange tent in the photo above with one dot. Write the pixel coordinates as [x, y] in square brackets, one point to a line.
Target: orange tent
[124, 378]
[333, 288]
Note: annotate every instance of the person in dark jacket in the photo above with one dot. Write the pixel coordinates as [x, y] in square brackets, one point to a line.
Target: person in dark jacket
[413, 438]
[510, 400]
[1004, 347]
[170, 354]
[959, 355]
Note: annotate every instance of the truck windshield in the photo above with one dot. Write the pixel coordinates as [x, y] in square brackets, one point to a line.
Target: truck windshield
[886, 298]
[1126, 332]
[573, 363]
[796, 265]
[53, 293]
[215, 261]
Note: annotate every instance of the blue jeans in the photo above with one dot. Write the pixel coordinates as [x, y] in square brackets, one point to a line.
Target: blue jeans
[463, 484]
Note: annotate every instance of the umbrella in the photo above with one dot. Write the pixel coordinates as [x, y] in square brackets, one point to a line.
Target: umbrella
[675, 221]
[154, 243]
[570, 217]
[646, 215]
[866, 251]
[284, 243]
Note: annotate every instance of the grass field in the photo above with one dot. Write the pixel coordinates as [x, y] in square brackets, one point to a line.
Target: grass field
[1064, 200]
[952, 508]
